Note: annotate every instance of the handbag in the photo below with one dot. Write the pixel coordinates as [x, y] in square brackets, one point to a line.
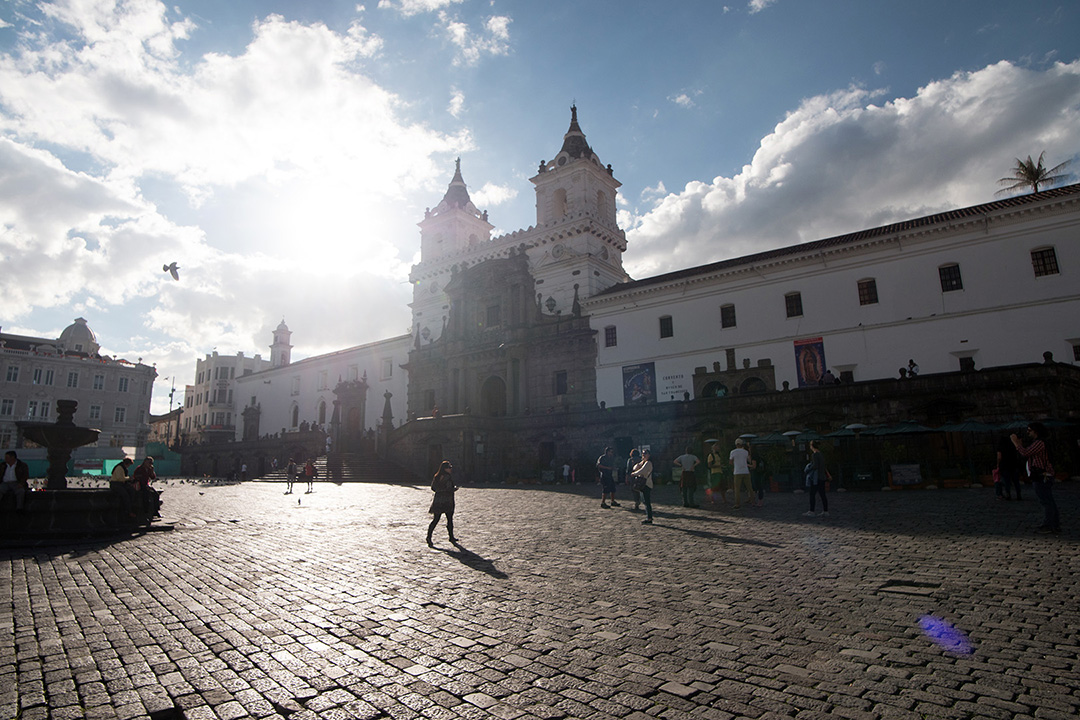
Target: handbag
[811, 474]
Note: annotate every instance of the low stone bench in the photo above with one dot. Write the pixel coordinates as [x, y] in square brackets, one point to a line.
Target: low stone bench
[74, 511]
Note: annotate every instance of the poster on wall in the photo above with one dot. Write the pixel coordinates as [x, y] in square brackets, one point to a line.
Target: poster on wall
[809, 361]
[639, 384]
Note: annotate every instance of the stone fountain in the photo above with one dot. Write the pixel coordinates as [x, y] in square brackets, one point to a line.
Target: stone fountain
[58, 510]
[59, 438]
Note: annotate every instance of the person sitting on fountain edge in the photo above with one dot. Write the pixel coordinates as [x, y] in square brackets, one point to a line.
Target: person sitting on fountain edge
[16, 479]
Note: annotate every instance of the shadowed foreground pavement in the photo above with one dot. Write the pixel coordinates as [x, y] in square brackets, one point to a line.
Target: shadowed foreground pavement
[257, 606]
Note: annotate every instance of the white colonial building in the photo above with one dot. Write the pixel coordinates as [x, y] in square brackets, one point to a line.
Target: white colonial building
[113, 394]
[292, 395]
[989, 285]
[210, 405]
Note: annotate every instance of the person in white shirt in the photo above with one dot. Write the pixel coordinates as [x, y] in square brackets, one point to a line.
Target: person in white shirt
[740, 461]
[643, 471]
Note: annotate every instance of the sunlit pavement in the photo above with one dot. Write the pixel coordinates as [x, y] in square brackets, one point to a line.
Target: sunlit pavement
[330, 605]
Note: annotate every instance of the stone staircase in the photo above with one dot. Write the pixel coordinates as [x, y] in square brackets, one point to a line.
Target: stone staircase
[350, 467]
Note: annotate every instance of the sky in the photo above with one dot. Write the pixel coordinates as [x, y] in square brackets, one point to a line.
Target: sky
[282, 152]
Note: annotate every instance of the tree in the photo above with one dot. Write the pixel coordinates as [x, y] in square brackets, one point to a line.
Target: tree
[1032, 174]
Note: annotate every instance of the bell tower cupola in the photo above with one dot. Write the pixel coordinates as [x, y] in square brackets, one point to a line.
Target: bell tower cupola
[281, 349]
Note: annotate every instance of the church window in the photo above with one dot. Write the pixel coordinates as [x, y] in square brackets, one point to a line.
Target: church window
[387, 369]
[610, 337]
[950, 278]
[322, 380]
[322, 412]
[560, 382]
[667, 329]
[793, 304]
[868, 292]
[727, 316]
[296, 385]
[295, 416]
[1044, 261]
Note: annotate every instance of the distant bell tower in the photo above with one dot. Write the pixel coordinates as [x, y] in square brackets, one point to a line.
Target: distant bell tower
[579, 246]
[450, 231]
[281, 349]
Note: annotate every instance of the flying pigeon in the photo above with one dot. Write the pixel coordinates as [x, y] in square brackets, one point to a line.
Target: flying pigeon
[172, 270]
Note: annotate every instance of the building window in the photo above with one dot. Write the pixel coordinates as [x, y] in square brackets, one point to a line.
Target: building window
[45, 405]
[7, 407]
[322, 380]
[1044, 261]
[120, 415]
[99, 382]
[37, 376]
[727, 316]
[950, 278]
[296, 386]
[387, 369]
[494, 316]
[667, 329]
[560, 382]
[322, 412]
[95, 412]
[31, 409]
[73, 380]
[1076, 352]
[354, 372]
[49, 377]
[295, 416]
[611, 339]
[793, 303]
[868, 292]
[13, 373]
[122, 386]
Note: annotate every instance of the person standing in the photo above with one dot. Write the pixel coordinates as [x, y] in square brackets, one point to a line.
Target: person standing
[758, 476]
[687, 479]
[631, 463]
[1009, 466]
[309, 474]
[717, 481]
[740, 463]
[912, 368]
[605, 467]
[1041, 472]
[641, 475]
[16, 479]
[816, 475]
[290, 475]
[443, 502]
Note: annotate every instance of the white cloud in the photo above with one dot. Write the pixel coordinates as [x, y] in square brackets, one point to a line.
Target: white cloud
[682, 100]
[457, 102]
[840, 163]
[491, 194]
[493, 39]
[757, 6]
[409, 8]
[96, 108]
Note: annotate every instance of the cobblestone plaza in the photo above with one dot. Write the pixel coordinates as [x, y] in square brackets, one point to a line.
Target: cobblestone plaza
[929, 604]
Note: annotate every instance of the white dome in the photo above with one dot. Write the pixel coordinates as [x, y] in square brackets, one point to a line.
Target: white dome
[78, 337]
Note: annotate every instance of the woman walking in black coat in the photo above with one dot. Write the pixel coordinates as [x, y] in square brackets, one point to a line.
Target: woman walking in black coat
[443, 503]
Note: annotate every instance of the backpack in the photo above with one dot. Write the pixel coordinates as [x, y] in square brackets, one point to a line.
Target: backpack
[811, 474]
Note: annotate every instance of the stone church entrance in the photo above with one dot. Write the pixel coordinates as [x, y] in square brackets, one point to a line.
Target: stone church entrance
[493, 397]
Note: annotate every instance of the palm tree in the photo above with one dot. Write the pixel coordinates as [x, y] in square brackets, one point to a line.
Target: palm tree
[1031, 174]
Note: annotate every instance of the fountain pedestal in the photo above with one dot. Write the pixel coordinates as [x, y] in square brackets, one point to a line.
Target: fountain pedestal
[59, 439]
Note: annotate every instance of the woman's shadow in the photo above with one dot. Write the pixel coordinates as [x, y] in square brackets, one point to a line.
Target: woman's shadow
[467, 557]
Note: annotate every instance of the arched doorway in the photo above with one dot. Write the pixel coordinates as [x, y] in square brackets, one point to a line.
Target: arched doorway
[493, 397]
[753, 385]
[714, 390]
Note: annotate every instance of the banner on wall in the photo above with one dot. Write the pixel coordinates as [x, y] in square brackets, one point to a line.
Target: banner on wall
[809, 361]
[639, 384]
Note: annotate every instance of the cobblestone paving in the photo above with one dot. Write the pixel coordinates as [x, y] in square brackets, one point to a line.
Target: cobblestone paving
[329, 605]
